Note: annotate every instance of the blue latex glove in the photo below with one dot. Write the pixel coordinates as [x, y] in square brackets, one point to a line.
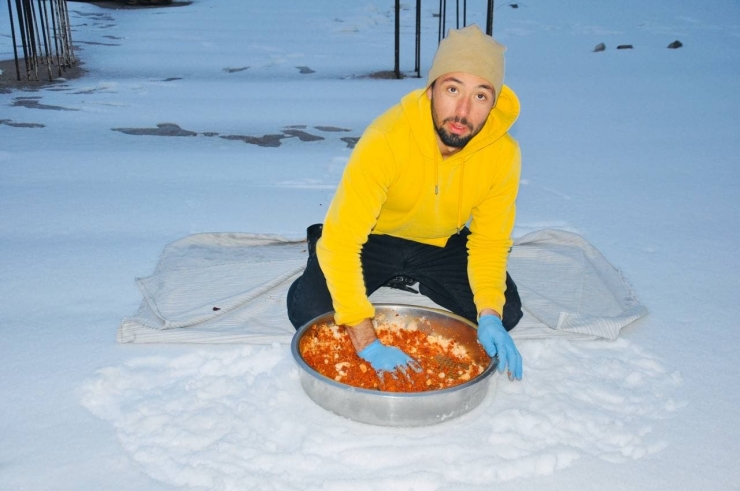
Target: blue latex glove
[387, 358]
[496, 340]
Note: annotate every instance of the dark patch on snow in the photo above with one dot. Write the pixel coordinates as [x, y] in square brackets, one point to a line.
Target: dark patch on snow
[331, 129]
[304, 70]
[303, 136]
[351, 141]
[94, 15]
[384, 75]
[162, 129]
[625, 46]
[262, 141]
[235, 70]
[675, 44]
[9, 78]
[95, 43]
[271, 140]
[33, 103]
[10, 122]
[599, 47]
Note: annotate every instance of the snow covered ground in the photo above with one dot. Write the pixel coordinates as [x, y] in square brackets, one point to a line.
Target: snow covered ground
[635, 149]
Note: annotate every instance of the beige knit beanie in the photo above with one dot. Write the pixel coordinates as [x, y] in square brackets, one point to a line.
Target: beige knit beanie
[472, 51]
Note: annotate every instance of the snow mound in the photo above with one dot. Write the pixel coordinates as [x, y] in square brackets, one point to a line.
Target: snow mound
[226, 419]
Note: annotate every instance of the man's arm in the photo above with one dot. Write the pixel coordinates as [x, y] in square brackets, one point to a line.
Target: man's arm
[362, 335]
[488, 312]
[351, 216]
[491, 227]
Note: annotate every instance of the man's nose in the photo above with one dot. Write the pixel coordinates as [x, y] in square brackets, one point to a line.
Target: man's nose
[463, 107]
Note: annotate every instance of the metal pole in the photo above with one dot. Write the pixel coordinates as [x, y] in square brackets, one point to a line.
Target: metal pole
[27, 37]
[33, 30]
[439, 27]
[489, 18]
[15, 47]
[417, 54]
[59, 23]
[444, 19]
[44, 34]
[57, 47]
[68, 33]
[397, 66]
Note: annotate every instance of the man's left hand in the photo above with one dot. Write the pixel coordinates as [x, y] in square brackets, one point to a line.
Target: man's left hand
[496, 340]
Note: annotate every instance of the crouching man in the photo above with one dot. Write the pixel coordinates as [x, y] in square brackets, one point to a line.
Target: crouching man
[427, 196]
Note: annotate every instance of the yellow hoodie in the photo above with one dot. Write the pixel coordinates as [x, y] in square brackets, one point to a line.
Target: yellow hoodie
[397, 183]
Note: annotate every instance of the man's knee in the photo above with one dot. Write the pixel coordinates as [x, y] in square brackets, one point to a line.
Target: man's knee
[295, 314]
[308, 297]
[512, 313]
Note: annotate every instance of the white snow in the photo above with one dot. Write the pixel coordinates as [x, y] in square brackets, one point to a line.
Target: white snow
[636, 150]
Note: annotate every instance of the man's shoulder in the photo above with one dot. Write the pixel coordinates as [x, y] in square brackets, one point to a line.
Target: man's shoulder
[401, 117]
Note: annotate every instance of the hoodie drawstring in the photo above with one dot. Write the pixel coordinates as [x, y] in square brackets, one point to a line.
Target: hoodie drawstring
[460, 190]
[459, 196]
[436, 176]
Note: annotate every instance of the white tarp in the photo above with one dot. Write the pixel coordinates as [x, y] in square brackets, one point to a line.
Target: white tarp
[231, 288]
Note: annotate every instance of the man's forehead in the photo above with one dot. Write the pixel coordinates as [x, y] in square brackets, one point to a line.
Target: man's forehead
[465, 79]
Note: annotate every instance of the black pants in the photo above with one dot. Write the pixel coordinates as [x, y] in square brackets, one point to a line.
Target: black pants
[442, 273]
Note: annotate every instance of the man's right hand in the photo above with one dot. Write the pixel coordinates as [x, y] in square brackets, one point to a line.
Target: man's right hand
[380, 356]
[387, 358]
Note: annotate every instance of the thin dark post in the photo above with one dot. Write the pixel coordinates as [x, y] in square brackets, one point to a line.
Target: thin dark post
[43, 35]
[439, 29]
[15, 47]
[57, 47]
[67, 33]
[465, 12]
[31, 38]
[28, 47]
[61, 17]
[397, 66]
[34, 34]
[442, 19]
[417, 54]
[22, 35]
[457, 14]
[489, 18]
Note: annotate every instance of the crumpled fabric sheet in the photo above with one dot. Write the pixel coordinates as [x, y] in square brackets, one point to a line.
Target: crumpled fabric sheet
[232, 287]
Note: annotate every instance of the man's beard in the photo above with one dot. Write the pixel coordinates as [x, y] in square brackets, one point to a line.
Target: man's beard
[451, 140]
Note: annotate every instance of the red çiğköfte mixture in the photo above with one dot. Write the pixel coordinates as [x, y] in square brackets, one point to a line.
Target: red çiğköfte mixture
[327, 349]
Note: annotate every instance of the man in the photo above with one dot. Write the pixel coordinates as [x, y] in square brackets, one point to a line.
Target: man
[440, 159]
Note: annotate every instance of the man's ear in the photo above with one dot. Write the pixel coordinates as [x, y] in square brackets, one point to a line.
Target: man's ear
[429, 91]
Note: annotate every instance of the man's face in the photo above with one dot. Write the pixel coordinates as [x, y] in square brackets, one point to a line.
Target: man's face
[460, 106]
